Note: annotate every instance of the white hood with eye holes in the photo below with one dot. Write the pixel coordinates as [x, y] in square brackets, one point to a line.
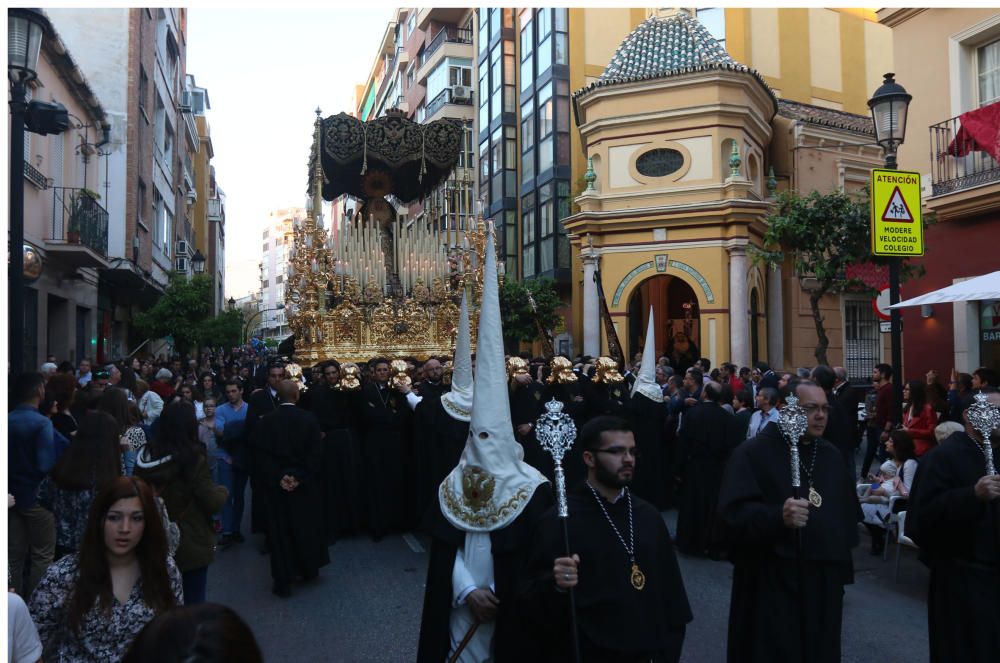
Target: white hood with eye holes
[491, 484]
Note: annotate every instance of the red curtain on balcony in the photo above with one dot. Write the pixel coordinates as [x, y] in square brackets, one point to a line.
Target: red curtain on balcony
[980, 131]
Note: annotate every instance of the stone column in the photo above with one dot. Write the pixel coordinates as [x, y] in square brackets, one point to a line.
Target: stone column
[591, 305]
[775, 319]
[739, 328]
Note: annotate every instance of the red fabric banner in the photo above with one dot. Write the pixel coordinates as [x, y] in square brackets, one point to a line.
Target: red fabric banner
[980, 131]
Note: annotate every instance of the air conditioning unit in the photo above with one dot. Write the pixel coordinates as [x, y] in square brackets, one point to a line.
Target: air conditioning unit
[461, 93]
[185, 105]
[181, 265]
[182, 248]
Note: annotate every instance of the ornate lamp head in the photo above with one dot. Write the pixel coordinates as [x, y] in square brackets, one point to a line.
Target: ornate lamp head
[607, 371]
[350, 379]
[516, 366]
[792, 420]
[985, 418]
[400, 378]
[555, 430]
[561, 371]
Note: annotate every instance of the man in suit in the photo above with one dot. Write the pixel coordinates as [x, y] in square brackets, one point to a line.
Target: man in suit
[706, 437]
[768, 378]
[289, 462]
[261, 402]
[839, 424]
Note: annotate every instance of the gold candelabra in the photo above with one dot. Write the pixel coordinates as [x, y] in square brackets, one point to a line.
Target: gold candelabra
[373, 285]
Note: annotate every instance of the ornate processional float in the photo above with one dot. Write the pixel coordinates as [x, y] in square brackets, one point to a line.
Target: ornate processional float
[378, 283]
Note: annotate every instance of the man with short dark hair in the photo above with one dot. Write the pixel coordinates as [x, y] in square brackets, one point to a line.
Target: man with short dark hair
[83, 375]
[768, 378]
[631, 602]
[261, 402]
[232, 468]
[386, 419]
[766, 412]
[840, 427]
[884, 416]
[31, 453]
[984, 379]
[760, 518]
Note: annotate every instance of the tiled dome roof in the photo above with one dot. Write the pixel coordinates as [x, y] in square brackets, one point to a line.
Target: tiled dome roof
[661, 47]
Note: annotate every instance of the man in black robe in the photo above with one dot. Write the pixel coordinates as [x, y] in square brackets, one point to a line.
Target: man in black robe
[387, 443]
[707, 436]
[527, 402]
[424, 400]
[953, 517]
[336, 410]
[840, 425]
[289, 462]
[261, 402]
[563, 385]
[630, 598]
[772, 602]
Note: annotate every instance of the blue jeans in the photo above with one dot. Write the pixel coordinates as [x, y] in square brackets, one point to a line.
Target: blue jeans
[128, 461]
[235, 480]
[194, 585]
[223, 475]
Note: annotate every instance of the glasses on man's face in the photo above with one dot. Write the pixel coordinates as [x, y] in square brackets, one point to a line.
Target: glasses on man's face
[813, 408]
[620, 451]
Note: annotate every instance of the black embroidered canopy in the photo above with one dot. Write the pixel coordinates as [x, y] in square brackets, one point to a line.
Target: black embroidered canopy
[388, 155]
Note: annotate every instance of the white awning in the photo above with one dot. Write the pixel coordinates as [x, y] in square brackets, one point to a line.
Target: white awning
[982, 287]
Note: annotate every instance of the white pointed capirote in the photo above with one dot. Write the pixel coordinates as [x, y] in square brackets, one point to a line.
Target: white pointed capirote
[645, 382]
[491, 484]
[458, 402]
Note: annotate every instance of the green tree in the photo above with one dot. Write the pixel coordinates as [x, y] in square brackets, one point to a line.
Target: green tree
[822, 234]
[515, 309]
[185, 313]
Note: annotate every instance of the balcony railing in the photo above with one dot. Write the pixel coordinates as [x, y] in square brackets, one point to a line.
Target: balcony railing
[35, 176]
[957, 161]
[77, 218]
[446, 96]
[446, 34]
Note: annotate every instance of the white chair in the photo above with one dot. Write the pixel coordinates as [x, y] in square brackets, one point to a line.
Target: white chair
[902, 539]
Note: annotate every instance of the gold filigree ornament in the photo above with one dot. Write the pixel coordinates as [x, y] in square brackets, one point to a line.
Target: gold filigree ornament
[516, 366]
[561, 371]
[350, 379]
[607, 371]
[400, 379]
[475, 506]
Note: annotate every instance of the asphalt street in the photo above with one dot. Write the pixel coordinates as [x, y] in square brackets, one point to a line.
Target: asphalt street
[365, 606]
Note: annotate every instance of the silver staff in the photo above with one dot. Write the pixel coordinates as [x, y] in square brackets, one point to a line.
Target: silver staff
[556, 432]
[793, 422]
[985, 418]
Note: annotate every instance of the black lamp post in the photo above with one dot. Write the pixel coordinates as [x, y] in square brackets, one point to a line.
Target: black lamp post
[198, 263]
[25, 30]
[889, 107]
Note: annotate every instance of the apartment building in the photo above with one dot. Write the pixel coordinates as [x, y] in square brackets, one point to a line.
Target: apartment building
[949, 60]
[276, 242]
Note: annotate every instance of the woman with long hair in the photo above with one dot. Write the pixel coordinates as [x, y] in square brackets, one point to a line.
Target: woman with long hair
[919, 417]
[132, 437]
[91, 605]
[60, 392]
[92, 459]
[896, 479]
[206, 633]
[174, 462]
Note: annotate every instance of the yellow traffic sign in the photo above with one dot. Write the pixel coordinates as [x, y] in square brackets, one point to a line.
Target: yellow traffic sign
[896, 227]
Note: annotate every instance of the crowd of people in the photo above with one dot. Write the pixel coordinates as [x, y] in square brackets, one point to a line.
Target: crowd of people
[126, 479]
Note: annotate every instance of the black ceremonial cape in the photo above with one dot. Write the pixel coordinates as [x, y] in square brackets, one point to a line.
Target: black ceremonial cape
[510, 547]
[648, 419]
[386, 452]
[614, 618]
[526, 405]
[260, 403]
[957, 535]
[344, 504]
[764, 609]
[287, 441]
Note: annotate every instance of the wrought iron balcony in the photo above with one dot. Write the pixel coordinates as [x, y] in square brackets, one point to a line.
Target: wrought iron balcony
[958, 162]
[78, 220]
[446, 34]
[35, 176]
[446, 96]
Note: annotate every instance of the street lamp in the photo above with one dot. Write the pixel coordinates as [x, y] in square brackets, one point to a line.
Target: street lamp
[232, 303]
[198, 262]
[889, 107]
[25, 30]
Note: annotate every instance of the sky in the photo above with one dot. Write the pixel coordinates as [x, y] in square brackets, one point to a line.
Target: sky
[266, 71]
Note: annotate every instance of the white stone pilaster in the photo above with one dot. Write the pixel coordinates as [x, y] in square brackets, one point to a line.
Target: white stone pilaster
[739, 327]
[591, 305]
[775, 319]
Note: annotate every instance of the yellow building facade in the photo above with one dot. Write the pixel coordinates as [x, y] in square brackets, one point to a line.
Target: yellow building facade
[681, 133]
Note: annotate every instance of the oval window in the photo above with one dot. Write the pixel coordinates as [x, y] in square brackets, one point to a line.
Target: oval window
[659, 162]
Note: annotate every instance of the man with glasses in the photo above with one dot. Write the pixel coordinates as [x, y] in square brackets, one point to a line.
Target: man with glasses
[623, 567]
[778, 581]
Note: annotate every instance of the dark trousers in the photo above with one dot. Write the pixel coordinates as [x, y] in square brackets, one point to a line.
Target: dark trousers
[236, 500]
[31, 537]
[874, 445]
[194, 585]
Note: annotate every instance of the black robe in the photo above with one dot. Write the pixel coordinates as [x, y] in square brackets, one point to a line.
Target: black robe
[527, 403]
[606, 399]
[765, 604]
[287, 442]
[426, 418]
[260, 403]
[510, 548]
[648, 419]
[386, 452]
[957, 535]
[344, 504]
[615, 621]
[707, 436]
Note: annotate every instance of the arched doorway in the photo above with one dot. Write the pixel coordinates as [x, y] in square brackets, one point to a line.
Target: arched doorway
[676, 319]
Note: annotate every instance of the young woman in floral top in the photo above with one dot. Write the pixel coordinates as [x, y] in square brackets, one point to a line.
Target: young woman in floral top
[90, 606]
[91, 460]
